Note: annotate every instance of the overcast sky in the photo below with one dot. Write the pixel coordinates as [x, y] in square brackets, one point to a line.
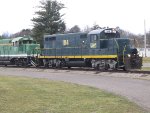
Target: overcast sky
[127, 14]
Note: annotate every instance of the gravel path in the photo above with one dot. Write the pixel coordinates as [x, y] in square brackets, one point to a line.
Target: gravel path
[136, 90]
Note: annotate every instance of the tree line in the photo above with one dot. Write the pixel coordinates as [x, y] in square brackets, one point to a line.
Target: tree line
[49, 20]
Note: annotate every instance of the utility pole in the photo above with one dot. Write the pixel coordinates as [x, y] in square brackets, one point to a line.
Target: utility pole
[145, 37]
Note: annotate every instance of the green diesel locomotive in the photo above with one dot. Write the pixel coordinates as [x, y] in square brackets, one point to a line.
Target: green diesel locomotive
[100, 49]
[18, 51]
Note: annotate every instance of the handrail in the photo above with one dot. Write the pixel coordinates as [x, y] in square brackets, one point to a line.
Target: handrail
[124, 49]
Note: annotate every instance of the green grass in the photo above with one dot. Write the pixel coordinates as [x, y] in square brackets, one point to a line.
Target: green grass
[145, 68]
[146, 59]
[26, 95]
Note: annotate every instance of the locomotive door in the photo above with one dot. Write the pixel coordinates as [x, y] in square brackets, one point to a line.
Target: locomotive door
[104, 47]
[83, 44]
[51, 45]
[94, 44]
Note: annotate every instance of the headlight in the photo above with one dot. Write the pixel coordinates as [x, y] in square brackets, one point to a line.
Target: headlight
[129, 55]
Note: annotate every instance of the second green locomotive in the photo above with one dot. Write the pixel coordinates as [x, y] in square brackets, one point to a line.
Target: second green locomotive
[18, 51]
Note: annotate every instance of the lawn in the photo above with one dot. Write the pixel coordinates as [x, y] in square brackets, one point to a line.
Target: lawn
[146, 59]
[145, 68]
[27, 95]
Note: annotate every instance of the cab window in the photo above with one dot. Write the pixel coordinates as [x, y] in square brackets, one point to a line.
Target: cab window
[93, 37]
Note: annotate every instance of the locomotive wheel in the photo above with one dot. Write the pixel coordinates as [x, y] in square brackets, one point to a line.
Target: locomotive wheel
[46, 65]
[24, 64]
[69, 67]
[53, 65]
[102, 68]
[58, 64]
[107, 67]
[125, 68]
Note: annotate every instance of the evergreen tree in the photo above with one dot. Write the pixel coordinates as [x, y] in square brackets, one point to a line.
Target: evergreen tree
[48, 20]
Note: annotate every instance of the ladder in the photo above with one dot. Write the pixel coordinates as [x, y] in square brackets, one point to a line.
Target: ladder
[33, 63]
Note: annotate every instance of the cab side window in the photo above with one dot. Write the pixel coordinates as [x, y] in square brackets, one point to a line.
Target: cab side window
[93, 41]
[83, 38]
[93, 37]
[52, 41]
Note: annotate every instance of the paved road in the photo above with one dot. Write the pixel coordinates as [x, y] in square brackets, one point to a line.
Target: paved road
[136, 90]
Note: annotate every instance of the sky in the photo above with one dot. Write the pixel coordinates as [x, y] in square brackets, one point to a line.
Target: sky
[127, 14]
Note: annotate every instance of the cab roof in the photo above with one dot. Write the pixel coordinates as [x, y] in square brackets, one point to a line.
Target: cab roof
[16, 39]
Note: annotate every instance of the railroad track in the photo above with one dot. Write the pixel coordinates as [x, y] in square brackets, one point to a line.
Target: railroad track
[83, 69]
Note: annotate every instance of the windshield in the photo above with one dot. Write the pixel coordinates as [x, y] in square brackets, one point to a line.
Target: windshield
[29, 42]
[107, 35]
[110, 35]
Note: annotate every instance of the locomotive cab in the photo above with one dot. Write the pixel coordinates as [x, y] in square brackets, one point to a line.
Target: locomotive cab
[98, 39]
[103, 46]
[113, 51]
[25, 45]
